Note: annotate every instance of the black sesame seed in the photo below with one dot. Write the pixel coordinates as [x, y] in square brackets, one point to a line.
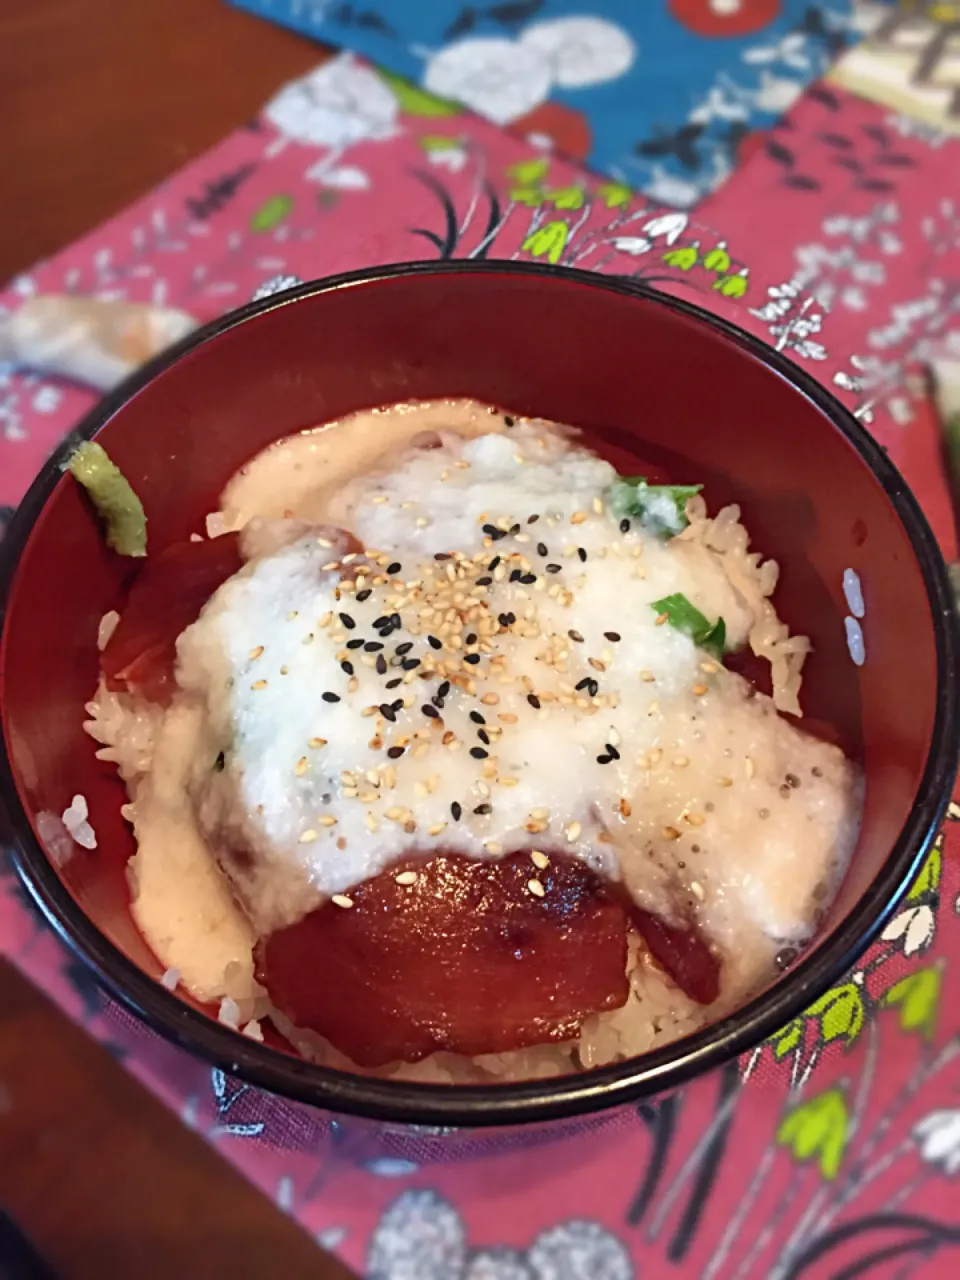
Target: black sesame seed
[532, 519]
[528, 579]
[394, 568]
[624, 526]
[365, 594]
[471, 638]
[534, 701]
[592, 688]
[542, 549]
[372, 646]
[456, 811]
[381, 665]
[331, 697]
[432, 712]
[483, 809]
[516, 575]
[444, 689]
[575, 635]
[437, 702]
[554, 568]
[347, 667]
[604, 759]
[387, 711]
[472, 658]
[381, 621]
[396, 621]
[508, 420]
[355, 644]
[504, 619]
[395, 752]
[477, 718]
[478, 753]
[484, 737]
[491, 531]
[493, 564]
[434, 643]
[612, 636]
[443, 555]
[397, 704]
[392, 684]
[410, 664]
[585, 683]
[612, 751]
[582, 554]
[514, 529]
[404, 648]
[347, 621]
[484, 582]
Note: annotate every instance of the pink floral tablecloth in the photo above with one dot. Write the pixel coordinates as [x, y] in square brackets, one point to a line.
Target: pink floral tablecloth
[831, 1150]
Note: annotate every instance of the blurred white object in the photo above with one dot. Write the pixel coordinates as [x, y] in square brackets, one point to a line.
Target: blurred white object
[94, 342]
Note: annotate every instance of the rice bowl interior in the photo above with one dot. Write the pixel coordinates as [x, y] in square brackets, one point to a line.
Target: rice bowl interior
[446, 779]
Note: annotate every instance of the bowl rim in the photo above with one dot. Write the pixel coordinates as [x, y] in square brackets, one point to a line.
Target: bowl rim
[481, 1106]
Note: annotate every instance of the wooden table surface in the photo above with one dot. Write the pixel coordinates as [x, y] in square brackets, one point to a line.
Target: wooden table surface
[100, 100]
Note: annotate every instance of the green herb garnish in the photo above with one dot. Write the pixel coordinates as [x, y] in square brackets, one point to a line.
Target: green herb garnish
[685, 617]
[660, 508]
[117, 505]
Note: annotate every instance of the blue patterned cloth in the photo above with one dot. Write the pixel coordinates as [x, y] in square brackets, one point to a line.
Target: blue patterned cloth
[661, 94]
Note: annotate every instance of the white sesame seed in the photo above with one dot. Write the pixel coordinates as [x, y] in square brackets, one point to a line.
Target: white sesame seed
[536, 888]
[573, 831]
[308, 837]
[341, 900]
[539, 860]
[326, 820]
[406, 877]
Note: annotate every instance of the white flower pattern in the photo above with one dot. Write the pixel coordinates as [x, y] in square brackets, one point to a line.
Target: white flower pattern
[504, 79]
[340, 103]
[581, 51]
[913, 929]
[422, 1237]
[938, 1137]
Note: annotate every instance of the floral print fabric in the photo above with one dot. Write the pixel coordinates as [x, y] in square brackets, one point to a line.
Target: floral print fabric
[665, 96]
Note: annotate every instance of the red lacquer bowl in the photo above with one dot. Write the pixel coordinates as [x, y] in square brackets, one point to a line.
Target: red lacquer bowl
[645, 376]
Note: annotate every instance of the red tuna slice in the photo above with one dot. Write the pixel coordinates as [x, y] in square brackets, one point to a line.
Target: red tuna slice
[467, 959]
[167, 596]
[682, 952]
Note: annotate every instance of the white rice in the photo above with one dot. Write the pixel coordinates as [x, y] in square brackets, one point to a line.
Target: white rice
[75, 819]
[186, 907]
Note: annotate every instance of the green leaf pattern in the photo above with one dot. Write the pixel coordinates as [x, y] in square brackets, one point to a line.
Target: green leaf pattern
[272, 213]
[817, 1130]
[840, 1013]
[917, 1000]
[927, 883]
[548, 242]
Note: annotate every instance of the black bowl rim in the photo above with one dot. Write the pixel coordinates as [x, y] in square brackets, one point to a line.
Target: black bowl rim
[480, 1106]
